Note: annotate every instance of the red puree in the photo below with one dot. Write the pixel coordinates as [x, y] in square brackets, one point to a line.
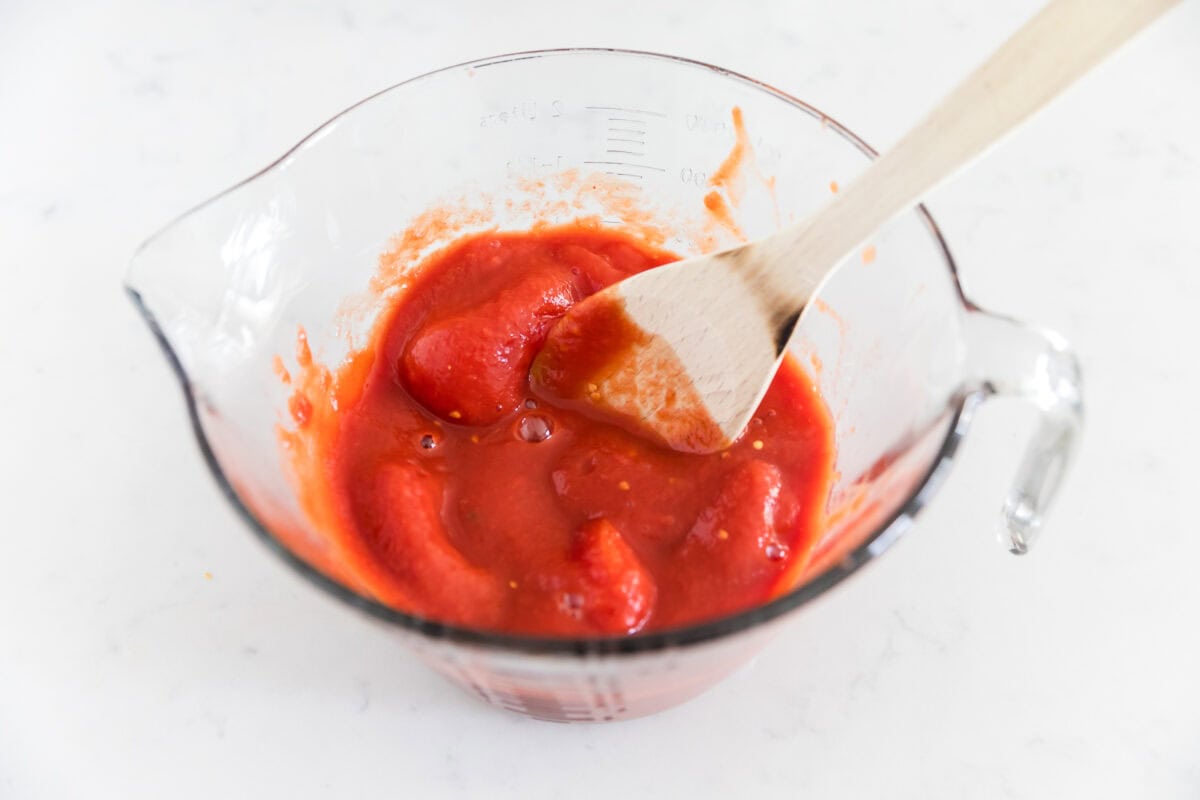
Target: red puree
[453, 493]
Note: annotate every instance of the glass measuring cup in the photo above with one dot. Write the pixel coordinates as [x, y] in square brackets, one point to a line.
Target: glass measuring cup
[899, 354]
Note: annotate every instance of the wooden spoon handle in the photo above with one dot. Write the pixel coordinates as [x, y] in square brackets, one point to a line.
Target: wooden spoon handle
[1059, 44]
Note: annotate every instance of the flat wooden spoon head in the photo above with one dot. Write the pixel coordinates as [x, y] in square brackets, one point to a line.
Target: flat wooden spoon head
[654, 352]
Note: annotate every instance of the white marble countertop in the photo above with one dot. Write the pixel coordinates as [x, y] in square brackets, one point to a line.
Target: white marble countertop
[949, 669]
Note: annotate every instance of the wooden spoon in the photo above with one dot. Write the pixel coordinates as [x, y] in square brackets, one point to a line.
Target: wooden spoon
[687, 350]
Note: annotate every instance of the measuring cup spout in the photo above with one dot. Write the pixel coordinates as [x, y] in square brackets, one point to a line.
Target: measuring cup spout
[208, 284]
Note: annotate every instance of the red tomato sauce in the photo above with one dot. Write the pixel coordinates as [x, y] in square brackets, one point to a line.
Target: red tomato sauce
[456, 494]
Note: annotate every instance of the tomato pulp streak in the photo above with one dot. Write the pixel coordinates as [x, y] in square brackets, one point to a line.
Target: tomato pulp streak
[460, 496]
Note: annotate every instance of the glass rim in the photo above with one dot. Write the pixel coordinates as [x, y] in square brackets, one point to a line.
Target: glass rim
[884, 536]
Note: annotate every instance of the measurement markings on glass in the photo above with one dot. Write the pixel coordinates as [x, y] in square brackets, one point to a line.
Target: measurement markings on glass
[627, 131]
[623, 110]
[614, 168]
[625, 164]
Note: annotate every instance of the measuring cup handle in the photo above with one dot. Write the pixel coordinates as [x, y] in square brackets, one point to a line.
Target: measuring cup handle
[1010, 358]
